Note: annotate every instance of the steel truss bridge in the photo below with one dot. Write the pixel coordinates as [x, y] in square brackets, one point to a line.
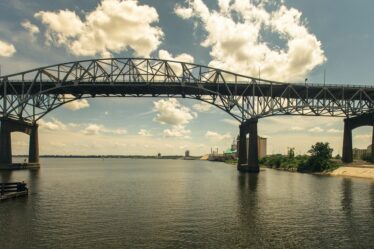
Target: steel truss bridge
[30, 95]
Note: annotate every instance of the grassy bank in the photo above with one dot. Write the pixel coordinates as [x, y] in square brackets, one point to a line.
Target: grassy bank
[302, 163]
[318, 160]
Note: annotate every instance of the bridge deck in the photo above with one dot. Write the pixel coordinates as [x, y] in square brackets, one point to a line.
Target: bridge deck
[230, 89]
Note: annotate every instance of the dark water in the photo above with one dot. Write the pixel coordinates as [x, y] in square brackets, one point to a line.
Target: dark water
[91, 203]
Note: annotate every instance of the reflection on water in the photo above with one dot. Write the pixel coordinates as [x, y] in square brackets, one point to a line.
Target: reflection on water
[5, 176]
[124, 203]
[347, 196]
[372, 198]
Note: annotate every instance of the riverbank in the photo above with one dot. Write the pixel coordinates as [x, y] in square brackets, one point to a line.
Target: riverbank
[350, 170]
[362, 171]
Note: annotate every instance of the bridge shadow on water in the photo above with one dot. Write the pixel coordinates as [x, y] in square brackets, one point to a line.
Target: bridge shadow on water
[372, 198]
[251, 232]
[347, 198]
[6, 176]
[248, 197]
[31, 178]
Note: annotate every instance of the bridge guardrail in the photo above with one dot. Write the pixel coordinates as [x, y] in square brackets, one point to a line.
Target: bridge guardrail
[246, 82]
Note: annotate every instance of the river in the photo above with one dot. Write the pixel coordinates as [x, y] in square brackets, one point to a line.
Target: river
[128, 203]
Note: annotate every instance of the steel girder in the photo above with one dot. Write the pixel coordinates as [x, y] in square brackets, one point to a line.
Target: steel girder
[32, 94]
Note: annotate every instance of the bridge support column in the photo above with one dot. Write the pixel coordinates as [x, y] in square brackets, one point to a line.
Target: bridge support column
[34, 145]
[251, 152]
[242, 145]
[372, 146]
[7, 127]
[353, 123]
[5, 143]
[347, 142]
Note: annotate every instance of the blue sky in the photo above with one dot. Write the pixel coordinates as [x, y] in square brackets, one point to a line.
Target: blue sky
[339, 36]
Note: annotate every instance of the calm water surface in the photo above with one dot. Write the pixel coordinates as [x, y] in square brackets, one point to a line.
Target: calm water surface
[125, 203]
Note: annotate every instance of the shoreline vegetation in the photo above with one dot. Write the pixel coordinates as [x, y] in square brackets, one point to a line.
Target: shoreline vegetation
[319, 160]
[116, 156]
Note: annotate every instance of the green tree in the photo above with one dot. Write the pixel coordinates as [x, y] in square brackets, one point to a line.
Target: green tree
[321, 150]
[291, 153]
[319, 160]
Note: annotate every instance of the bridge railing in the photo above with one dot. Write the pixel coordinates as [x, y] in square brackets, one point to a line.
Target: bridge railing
[180, 79]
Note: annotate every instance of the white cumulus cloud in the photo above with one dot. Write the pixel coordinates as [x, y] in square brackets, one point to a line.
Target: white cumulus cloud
[216, 136]
[177, 131]
[316, 129]
[363, 136]
[6, 49]
[165, 55]
[96, 129]
[30, 28]
[334, 130]
[237, 35]
[171, 112]
[117, 131]
[53, 125]
[93, 129]
[202, 107]
[145, 133]
[76, 104]
[297, 128]
[114, 26]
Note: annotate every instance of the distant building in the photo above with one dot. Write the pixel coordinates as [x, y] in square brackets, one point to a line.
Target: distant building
[262, 146]
[360, 153]
[187, 153]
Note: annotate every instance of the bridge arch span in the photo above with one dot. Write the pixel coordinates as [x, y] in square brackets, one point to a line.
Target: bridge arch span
[29, 95]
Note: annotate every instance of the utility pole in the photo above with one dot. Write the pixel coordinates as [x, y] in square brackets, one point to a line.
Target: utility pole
[324, 77]
[259, 73]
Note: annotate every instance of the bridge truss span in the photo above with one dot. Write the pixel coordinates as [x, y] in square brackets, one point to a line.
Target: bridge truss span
[32, 94]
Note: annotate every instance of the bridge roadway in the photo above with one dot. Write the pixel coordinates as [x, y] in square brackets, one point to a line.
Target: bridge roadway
[28, 96]
[292, 91]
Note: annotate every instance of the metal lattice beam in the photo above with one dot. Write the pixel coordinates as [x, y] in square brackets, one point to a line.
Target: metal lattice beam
[32, 94]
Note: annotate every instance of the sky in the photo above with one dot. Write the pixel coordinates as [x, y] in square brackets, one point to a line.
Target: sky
[286, 41]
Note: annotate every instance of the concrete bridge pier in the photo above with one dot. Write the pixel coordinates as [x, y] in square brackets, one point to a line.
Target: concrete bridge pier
[5, 143]
[347, 156]
[248, 156]
[34, 145]
[7, 127]
[351, 124]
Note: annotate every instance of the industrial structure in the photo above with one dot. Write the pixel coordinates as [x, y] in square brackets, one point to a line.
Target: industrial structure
[28, 96]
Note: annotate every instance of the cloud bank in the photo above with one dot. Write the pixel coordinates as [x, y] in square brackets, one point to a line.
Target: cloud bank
[114, 26]
[171, 112]
[240, 36]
